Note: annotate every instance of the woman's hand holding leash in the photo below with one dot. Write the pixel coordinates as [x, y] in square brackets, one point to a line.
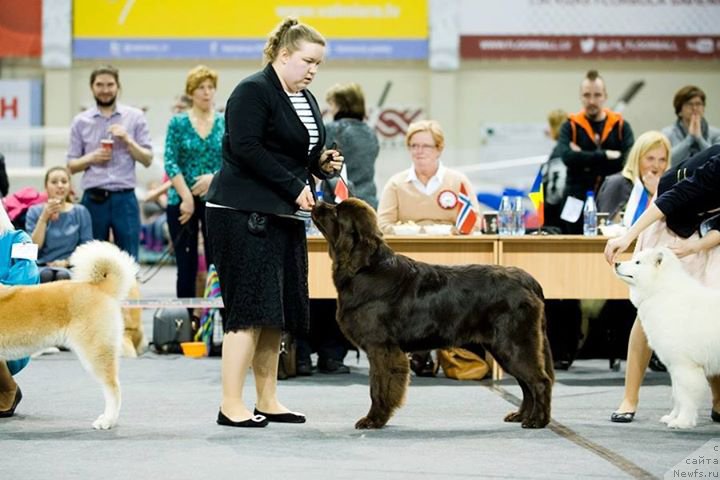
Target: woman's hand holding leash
[331, 160]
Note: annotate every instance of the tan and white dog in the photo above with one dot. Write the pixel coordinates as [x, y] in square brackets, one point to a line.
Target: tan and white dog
[679, 316]
[83, 314]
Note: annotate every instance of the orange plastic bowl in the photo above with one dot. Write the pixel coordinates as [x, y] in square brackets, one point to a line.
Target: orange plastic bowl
[194, 349]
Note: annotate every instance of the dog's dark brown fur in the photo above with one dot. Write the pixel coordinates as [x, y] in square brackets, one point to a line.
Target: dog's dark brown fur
[389, 304]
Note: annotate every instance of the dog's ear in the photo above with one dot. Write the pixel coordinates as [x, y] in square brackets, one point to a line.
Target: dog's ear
[358, 235]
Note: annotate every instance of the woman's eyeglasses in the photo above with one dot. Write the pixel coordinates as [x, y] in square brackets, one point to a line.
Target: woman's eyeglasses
[421, 147]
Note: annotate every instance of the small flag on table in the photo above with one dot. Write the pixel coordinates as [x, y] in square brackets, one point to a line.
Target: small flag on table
[537, 197]
[341, 188]
[466, 216]
[637, 203]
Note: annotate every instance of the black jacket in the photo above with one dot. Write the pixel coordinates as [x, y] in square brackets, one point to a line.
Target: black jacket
[265, 148]
[692, 199]
[588, 168]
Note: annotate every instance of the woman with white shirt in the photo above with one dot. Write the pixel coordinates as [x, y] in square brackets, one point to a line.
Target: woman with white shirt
[427, 192]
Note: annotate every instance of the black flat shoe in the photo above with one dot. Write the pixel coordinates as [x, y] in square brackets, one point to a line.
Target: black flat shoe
[18, 396]
[622, 417]
[715, 416]
[288, 417]
[258, 421]
[656, 365]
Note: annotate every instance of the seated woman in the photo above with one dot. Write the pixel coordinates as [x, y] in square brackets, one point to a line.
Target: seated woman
[58, 226]
[627, 194]
[425, 193]
[15, 269]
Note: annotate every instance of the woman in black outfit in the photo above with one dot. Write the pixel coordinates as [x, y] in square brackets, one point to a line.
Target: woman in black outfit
[256, 206]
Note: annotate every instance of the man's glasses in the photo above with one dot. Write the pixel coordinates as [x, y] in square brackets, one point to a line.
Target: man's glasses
[421, 147]
[695, 104]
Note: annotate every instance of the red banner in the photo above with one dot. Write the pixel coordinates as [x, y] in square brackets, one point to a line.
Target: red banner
[590, 46]
[20, 28]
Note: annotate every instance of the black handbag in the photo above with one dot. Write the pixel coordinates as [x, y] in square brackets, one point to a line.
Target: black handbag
[171, 327]
[287, 366]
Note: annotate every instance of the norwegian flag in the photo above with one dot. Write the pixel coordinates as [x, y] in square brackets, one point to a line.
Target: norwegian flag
[341, 189]
[466, 216]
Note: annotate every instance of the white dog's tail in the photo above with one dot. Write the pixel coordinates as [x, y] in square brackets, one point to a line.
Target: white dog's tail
[105, 265]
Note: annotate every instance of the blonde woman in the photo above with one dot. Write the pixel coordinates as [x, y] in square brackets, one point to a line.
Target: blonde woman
[648, 159]
[628, 193]
[257, 204]
[673, 220]
[427, 191]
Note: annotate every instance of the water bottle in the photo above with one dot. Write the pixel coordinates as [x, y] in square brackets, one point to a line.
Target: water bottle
[505, 216]
[518, 218]
[590, 215]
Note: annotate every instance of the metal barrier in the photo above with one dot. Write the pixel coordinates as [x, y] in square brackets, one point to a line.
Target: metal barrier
[198, 302]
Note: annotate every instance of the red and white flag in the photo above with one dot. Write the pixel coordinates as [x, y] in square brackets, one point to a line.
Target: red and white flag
[466, 216]
[341, 188]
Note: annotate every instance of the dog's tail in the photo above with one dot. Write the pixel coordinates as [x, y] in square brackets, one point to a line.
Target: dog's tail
[105, 265]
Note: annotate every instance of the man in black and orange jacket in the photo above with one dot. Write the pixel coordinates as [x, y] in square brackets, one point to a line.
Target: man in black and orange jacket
[593, 144]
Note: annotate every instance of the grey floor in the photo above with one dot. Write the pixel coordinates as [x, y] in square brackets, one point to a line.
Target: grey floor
[447, 429]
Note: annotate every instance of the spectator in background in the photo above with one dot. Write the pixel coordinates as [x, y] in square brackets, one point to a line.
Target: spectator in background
[426, 193]
[647, 161]
[691, 133]
[14, 270]
[354, 138]
[629, 192]
[593, 143]
[58, 226]
[108, 168]
[193, 153]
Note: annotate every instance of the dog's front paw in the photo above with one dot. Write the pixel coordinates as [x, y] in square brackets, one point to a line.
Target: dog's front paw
[681, 422]
[666, 419]
[535, 423]
[366, 423]
[513, 417]
[103, 423]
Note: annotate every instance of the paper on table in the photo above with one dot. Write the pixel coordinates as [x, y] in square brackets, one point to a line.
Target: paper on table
[572, 209]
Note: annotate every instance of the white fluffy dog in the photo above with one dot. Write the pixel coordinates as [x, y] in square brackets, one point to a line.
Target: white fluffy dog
[680, 318]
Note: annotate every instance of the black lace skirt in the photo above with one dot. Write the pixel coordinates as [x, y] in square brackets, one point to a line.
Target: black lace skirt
[263, 274]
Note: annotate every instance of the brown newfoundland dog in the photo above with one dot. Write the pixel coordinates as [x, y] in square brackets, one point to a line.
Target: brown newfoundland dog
[389, 304]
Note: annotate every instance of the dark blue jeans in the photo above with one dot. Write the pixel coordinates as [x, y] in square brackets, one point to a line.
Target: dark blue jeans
[118, 212]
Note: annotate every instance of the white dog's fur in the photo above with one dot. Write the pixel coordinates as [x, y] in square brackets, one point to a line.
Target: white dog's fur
[680, 318]
[83, 313]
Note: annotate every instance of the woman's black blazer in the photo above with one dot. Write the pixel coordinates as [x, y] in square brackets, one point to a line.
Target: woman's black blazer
[689, 193]
[265, 148]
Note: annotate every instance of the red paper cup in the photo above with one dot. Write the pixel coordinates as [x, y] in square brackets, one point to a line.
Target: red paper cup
[106, 144]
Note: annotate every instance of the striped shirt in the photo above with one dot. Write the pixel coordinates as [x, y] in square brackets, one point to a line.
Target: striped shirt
[302, 108]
